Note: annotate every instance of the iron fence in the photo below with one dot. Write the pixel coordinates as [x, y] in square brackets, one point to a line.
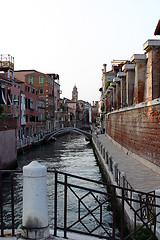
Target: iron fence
[100, 219]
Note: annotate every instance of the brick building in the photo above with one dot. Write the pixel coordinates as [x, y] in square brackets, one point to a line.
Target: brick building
[71, 106]
[57, 105]
[135, 126]
[31, 95]
[45, 85]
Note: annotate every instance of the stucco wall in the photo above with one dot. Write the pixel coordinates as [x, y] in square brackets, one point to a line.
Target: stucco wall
[138, 130]
[8, 142]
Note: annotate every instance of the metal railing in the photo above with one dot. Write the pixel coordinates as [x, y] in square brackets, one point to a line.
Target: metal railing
[7, 200]
[98, 220]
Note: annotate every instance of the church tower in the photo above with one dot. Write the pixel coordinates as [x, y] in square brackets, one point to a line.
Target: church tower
[75, 94]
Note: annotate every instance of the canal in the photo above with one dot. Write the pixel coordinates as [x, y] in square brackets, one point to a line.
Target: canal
[70, 154]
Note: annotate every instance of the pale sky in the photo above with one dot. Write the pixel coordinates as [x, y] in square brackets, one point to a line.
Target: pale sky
[73, 38]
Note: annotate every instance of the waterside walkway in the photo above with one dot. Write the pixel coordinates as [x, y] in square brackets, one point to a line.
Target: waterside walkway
[71, 236]
[139, 176]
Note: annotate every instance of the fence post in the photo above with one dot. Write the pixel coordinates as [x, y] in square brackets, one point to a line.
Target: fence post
[109, 162]
[35, 204]
[106, 157]
[122, 179]
[99, 145]
[104, 152]
[157, 192]
[115, 172]
[136, 205]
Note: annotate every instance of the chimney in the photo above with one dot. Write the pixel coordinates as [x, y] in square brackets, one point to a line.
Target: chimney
[104, 67]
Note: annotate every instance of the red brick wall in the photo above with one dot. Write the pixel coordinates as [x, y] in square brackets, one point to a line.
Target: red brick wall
[138, 130]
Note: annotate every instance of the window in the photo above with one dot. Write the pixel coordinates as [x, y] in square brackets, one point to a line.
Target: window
[2, 96]
[29, 89]
[30, 79]
[30, 104]
[32, 90]
[26, 105]
[25, 88]
[32, 119]
[41, 91]
[40, 79]
[9, 97]
[14, 99]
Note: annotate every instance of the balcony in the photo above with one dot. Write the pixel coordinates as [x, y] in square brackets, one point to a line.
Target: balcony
[6, 62]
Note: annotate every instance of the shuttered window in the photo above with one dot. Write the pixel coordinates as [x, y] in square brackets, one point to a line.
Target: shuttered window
[30, 79]
[40, 79]
[2, 96]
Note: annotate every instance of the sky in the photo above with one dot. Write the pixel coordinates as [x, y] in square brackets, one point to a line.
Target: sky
[74, 38]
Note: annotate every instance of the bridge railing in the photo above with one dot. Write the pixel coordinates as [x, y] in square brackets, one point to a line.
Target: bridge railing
[72, 194]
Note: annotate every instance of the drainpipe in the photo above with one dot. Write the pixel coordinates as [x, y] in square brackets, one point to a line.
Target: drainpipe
[35, 204]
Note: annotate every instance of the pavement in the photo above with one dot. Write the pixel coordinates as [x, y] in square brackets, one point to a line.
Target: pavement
[70, 236]
[138, 175]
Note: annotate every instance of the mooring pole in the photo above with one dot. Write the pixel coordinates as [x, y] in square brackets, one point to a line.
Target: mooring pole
[35, 204]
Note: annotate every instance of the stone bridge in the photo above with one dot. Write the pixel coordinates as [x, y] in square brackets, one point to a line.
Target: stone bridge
[55, 133]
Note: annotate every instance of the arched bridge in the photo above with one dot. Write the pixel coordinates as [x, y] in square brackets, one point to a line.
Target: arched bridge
[87, 135]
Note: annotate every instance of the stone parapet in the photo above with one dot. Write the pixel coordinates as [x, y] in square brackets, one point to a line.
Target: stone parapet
[121, 74]
[138, 57]
[130, 78]
[116, 80]
[127, 67]
[140, 76]
[150, 43]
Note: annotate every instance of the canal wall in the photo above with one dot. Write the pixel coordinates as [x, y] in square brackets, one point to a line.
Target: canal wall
[28, 142]
[136, 130]
[125, 172]
[8, 142]
[106, 163]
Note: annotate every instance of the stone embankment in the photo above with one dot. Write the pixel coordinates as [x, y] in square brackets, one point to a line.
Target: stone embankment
[122, 170]
[28, 141]
[136, 174]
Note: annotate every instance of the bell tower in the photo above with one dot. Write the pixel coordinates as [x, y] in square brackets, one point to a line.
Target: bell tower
[75, 94]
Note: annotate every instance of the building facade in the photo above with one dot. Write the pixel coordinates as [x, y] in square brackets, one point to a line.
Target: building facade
[134, 126]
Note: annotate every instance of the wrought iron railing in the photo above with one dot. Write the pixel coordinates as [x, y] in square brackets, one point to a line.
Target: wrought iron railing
[7, 200]
[99, 220]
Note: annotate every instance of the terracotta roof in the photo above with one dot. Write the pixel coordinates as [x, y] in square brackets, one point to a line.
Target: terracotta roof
[20, 74]
[157, 30]
[36, 73]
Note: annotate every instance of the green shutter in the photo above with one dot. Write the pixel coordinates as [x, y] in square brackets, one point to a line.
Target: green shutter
[30, 79]
[40, 79]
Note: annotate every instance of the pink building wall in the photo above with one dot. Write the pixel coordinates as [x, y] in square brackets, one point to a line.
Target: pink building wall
[8, 142]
